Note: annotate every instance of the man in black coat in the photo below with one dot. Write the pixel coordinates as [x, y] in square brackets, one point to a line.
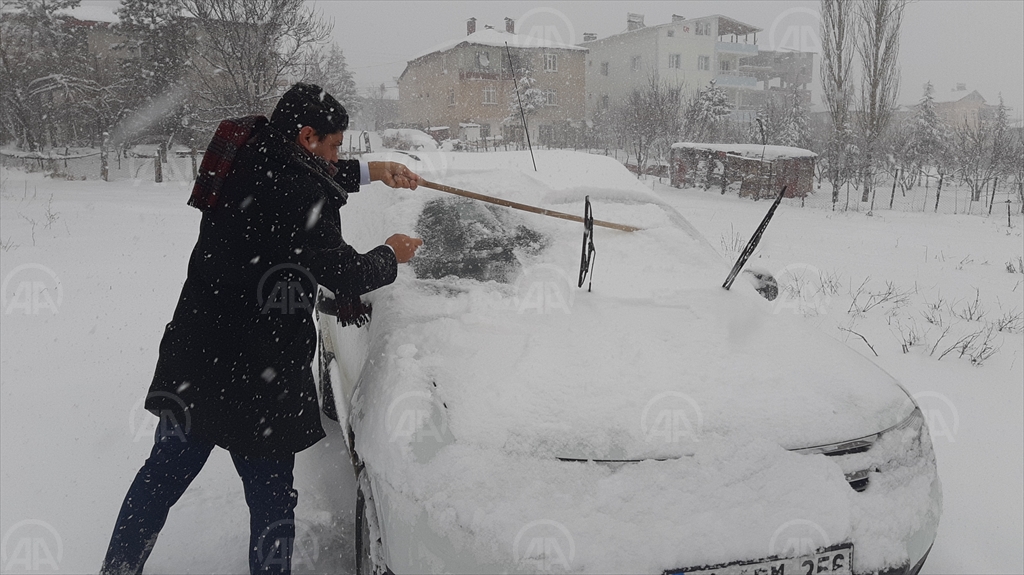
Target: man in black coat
[235, 361]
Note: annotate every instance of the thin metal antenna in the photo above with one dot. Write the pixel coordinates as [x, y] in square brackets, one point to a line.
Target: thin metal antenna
[515, 82]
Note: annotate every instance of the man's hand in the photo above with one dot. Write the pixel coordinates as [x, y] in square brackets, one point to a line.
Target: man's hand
[394, 174]
[404, 246]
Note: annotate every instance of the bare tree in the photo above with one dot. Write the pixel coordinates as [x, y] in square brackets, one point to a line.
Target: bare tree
[248, 49]
[878, 43]
[649, 117]
[837, 37]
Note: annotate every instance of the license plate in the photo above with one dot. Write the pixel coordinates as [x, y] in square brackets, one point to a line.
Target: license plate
[834, 560]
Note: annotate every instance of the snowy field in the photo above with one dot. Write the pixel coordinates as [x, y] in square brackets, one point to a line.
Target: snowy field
[92, 270]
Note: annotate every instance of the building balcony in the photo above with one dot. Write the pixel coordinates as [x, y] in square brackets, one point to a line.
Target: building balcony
[733, 79]
[736, 48]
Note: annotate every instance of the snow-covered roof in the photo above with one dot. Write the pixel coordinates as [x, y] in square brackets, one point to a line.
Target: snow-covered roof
[753, 151]
[92, 12]
[498, 39]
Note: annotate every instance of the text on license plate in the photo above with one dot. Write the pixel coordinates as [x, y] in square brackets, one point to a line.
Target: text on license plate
[834, 560]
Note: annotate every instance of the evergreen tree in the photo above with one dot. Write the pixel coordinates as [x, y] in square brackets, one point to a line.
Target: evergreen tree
[706, 113]
[929, 133]
[797, 131]
[533, 100]
[330, 72]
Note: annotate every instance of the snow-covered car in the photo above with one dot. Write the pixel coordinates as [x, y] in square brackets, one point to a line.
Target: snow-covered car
[503, 420]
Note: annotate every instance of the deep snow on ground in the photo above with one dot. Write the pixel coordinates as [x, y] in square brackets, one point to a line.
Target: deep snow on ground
[71, 430]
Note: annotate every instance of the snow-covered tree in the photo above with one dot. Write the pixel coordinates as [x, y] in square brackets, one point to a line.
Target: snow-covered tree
[783, 124]
[47, 81]
[705, 114]
[837, 37]
[649, 119]
[529, 97]
[878, 43]
[929, 133]
[155, 55]
[329, 70]
[247, 51]
[797, 129]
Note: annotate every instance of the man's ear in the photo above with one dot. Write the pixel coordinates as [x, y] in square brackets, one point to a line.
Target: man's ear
[307, 138]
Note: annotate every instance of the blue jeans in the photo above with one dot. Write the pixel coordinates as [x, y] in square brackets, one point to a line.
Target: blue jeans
[176, 459]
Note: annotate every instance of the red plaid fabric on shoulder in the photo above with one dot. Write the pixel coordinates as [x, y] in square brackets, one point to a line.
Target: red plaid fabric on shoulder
[230, 136]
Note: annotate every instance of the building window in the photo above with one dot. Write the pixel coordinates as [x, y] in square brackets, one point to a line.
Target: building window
[636, 63]
[604, 68]
[703, 29]
[671, 33]
[703, 62]
[550, 62]
[484, 59]
[490, 95]
[675, 60]
[725, 65]
[550, 97]
[444, 64]
[451, 96]
[485, 130]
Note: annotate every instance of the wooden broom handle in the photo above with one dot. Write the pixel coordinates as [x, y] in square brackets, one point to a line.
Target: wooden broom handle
[524, 207]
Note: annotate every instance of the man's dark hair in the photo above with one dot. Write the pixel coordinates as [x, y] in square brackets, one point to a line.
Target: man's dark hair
[308, 105]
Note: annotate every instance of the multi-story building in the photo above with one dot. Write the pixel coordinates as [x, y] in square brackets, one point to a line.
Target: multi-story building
[691, 52]
[466, 85]
[969, 110]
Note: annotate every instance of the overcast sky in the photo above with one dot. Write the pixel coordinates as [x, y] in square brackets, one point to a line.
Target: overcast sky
[979, 43]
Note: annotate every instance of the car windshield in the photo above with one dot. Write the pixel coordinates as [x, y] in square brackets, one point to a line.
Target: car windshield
[473, 240]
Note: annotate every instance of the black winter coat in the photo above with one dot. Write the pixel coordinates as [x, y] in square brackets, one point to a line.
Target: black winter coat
[235, 360]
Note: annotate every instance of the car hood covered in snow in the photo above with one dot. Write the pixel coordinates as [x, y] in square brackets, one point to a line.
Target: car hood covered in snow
[655, 357]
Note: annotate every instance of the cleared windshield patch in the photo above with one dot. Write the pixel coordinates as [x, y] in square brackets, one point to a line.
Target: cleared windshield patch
[469, 239]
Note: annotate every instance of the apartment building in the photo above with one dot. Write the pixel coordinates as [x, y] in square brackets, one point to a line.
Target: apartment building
[465, 85]
[692, 52]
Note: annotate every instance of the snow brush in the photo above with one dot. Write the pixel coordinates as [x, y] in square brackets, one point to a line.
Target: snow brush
[525, 207]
